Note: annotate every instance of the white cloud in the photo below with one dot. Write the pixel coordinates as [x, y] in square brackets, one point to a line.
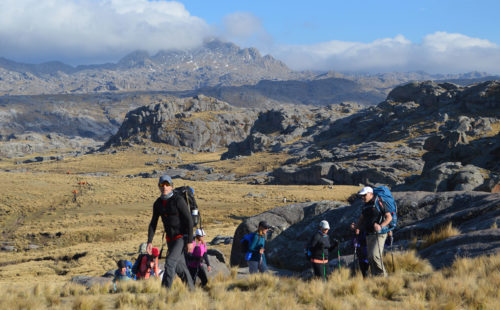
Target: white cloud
[443, 41]
[439, 52]
[81, 31]
[96, 31]
[246, 29]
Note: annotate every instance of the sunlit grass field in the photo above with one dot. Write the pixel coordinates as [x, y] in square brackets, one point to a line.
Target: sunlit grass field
[66, 211]
[84, 223]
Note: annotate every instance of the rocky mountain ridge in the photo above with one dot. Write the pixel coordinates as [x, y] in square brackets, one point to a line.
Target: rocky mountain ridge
[214, 63]
[218, 69]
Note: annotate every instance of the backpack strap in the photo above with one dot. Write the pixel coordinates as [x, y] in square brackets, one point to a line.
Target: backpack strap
[379, 204]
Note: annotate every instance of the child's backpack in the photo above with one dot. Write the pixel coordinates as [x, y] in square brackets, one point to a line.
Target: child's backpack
[383, 193]
[245, 244]
[129, 269]
[187, 193]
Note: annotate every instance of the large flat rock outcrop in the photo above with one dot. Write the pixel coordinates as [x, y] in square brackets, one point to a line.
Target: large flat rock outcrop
[475, 214]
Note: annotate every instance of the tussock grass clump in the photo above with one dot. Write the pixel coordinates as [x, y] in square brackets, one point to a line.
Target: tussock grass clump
[88, 303]
[468, 283]
[256, 281]
[442, 234]
[406, 261]
[387, 288]
[73, 289]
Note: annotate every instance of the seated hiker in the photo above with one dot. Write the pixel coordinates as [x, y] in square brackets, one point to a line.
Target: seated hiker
[319, 246]
[196, 257]
[123, 272]
[149, 265]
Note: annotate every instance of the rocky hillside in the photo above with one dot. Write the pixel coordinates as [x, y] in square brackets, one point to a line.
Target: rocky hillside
[37, 124]
[200, 123]
[317, 92]
[445, 133]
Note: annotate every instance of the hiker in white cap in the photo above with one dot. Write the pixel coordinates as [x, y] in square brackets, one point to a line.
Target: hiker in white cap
[372, 220]
[197, 256]
[318, 248]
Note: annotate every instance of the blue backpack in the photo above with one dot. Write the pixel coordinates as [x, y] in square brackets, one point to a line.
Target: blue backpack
[245, 244]
[384, 198]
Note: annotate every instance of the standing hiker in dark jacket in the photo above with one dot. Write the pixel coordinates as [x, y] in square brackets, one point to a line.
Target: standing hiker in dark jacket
[178, 226]
[372, 220]
[319, 246]
[257, 262]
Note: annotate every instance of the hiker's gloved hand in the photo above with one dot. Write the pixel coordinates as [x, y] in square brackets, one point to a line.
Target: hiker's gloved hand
[190, 247]
[335, 243]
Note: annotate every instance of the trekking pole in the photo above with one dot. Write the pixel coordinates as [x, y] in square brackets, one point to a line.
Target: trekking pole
[338, 256]
[324, 266]
[354, 265]
[161, 250]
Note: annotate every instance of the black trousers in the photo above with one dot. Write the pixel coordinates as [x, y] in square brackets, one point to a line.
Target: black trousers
[199, 272]
[320, 270]
[175, 263]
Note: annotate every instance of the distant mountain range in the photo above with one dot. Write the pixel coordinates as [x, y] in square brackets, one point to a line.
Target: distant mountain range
[239, 76]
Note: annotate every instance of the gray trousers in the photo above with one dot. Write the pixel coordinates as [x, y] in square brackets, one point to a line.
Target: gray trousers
[375, 245]
[175, 263]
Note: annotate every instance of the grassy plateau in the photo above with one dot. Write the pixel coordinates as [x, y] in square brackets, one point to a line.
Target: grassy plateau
[79, 215]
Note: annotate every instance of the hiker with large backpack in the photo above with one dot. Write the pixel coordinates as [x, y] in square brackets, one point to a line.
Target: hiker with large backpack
[257, 258]
[178, 224]
[377, 218]
[196, 258]
[318, 248]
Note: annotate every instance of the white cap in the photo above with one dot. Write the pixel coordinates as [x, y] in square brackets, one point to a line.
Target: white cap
[365, 190]
[324, 225]
[199, 232]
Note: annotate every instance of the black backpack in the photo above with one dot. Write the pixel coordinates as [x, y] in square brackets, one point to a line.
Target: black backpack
[187, 193]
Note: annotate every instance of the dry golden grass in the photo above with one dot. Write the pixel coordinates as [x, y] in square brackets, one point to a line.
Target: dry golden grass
[443, 233]
[462, 286]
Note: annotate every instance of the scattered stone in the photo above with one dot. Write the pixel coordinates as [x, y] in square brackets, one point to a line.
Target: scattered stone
[9, 248]
[221, 240]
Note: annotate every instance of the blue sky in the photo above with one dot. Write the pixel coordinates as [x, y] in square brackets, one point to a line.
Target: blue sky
[348, 36]
[301, 22]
